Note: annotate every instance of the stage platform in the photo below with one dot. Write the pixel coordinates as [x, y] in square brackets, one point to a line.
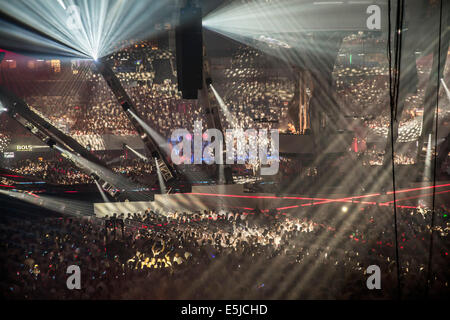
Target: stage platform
[233, 197]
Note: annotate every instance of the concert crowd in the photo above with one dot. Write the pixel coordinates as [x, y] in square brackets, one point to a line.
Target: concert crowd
[220, 254]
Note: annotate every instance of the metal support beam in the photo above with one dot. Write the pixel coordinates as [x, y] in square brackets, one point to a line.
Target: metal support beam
[18, 106]
[51, 136]
[127, 104]
[211, 109]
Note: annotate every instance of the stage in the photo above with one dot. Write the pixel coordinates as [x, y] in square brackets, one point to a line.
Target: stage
[233, 197]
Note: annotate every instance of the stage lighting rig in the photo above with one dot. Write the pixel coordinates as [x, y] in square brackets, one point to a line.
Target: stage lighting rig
[65, 145]
[152, 140]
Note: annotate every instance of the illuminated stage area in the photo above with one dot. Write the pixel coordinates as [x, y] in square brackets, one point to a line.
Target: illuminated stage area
[211, 150]
[232, 198]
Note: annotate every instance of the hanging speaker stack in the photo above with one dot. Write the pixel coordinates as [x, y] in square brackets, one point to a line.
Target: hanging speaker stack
[189, 51]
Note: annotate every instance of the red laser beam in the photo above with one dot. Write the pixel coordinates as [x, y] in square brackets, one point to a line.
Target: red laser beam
[327, 200]
[284, 208]
[251, 197]
[415, 197]
[421, 188]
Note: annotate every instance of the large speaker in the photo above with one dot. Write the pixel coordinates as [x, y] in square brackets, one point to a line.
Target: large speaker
[189, 51]
[163, 70]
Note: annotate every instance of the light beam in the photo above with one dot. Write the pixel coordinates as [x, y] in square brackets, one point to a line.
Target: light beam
[162, 143]
[100, 189]
[70, 207]
[141, 156]
[93, 28]
[162, 185]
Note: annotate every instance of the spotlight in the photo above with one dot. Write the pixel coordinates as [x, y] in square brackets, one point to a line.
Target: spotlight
[155, 155]
[344, 209]
[85, 29]
[94, 176]
[62, 4]
[125, 105]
